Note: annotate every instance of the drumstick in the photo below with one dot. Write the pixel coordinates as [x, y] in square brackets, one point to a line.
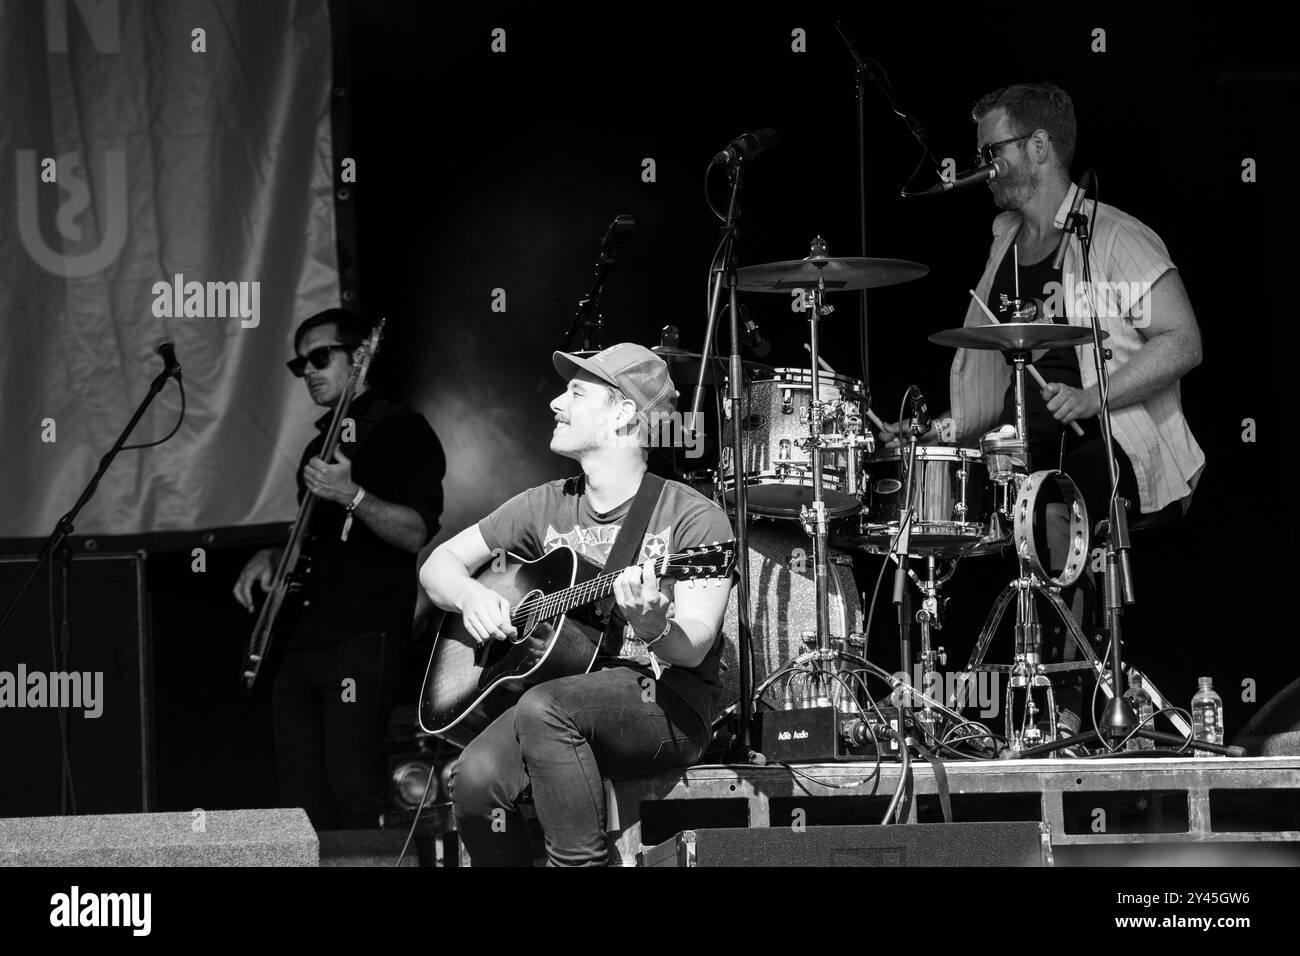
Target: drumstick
[1042, 382]
[871, 416]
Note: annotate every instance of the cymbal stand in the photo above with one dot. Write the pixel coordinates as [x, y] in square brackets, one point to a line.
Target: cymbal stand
[1027, 673]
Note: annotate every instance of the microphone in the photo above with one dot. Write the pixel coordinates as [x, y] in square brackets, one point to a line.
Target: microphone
[165, 348]
[615, 238]
[920, 413]
[747, 146]
[984, 174]
[1085, 182]
[760, 346]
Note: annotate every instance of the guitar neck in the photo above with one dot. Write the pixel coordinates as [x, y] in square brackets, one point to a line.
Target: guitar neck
[571, 598]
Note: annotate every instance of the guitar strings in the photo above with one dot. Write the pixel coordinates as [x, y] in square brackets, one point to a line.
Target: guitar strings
[587, 591]
[553, 605]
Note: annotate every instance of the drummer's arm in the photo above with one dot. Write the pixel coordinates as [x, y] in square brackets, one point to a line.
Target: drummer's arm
[939, 432]
[1171, 349]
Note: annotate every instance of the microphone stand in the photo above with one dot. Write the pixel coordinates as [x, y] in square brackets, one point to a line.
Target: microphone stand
[57, 544]
[742, 748]
[859, 72]
[587, 316]
[1118, 719]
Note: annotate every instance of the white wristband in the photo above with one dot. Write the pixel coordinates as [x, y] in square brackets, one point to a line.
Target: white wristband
[361, 493]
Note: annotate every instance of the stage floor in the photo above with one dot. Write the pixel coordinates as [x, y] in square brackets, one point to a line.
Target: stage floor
[1082, 803]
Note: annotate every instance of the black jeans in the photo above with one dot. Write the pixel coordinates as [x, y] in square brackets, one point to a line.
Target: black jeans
[329, 708]
[561, 739]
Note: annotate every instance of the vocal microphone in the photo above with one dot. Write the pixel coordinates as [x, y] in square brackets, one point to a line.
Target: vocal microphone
[1081, 190]
[760, 346]
[747, 146]
[984, 174]
[165, 348]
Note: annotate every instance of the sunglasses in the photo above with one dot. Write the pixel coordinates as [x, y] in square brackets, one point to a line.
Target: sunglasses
[320, 358]
[986, 153]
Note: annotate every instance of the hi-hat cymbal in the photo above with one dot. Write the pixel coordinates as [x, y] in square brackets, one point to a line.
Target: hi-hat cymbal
[1015, 337]
[684, 366]
[841, 274]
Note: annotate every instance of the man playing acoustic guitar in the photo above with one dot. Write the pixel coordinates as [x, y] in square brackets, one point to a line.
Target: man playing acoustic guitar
[648, 702]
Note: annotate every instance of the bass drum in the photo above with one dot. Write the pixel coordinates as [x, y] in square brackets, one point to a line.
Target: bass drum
[783, 604]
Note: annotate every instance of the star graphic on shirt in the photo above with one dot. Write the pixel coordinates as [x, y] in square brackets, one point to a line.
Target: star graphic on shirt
[655, 545]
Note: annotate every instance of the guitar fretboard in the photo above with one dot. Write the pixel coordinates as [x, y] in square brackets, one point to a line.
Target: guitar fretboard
[562, 602]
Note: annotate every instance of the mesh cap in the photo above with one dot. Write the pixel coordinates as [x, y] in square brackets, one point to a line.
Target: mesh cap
[639, 373]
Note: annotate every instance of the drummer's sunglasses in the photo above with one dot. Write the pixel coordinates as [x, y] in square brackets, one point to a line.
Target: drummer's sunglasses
[319, 357]
[986, 153]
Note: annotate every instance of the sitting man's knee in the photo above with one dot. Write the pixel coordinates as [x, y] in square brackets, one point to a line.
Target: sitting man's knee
[540, 706]
[472, 782]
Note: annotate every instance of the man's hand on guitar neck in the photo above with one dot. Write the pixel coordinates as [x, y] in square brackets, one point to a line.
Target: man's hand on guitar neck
[260, 569]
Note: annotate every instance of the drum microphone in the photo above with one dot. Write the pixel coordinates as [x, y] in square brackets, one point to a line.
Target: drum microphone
[1085, 183]
[747, 146]
[984, 174]
[920, 412]
[760, 346]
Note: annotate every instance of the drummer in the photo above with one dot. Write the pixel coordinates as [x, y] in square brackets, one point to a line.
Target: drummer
[1140, 300]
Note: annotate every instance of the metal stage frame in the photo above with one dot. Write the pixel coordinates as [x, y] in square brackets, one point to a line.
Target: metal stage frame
[1200, 785]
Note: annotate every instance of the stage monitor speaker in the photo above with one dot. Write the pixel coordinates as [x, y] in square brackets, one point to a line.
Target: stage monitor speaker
[106, 679]
[912, 844]
[1275, 730]
[192, 838]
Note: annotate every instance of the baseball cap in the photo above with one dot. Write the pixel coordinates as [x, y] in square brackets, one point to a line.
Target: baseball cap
[642, 375]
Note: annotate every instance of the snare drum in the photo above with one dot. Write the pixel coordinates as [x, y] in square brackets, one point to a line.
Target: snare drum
[778, 465]
[952, 500]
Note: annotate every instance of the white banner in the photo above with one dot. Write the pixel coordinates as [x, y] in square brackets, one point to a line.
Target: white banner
[166, 169]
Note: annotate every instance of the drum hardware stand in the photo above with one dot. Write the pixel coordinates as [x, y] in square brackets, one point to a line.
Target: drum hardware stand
[742, 750]
[814, 518]
[930, 616]
[1027, 673]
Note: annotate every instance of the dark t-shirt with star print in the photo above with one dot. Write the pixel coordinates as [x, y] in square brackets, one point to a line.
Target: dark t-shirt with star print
[539, 520]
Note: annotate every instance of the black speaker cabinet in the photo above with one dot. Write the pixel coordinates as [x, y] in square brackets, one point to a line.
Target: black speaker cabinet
[103, 687]
[913, 844]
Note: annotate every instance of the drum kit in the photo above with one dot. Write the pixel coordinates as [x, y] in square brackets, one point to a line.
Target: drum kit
[812, 472]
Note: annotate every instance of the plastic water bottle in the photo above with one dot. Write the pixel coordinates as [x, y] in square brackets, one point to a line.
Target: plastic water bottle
[1143, 709]
[1207, 716]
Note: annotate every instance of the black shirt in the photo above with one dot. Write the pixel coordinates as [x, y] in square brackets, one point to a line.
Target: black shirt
[365, 584]
[1037, 281]
[1053, 445]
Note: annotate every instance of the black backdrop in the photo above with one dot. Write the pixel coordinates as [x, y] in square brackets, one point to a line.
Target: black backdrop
[480, 171]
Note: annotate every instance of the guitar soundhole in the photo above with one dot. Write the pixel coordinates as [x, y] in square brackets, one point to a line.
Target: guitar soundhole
[530, 624]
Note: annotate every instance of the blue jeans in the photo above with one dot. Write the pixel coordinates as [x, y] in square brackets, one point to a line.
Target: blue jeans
[561, 739]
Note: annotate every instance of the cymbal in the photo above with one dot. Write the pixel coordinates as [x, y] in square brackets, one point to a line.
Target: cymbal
[684, 366]
[841, 274]
[1015, 337]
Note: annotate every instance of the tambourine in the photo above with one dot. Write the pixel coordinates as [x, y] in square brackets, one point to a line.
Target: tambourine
[1023, 517]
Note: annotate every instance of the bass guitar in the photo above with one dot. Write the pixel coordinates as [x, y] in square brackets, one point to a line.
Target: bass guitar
[289, 572]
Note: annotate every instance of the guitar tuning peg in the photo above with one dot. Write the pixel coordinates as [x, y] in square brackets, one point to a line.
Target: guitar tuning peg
[691, 584]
